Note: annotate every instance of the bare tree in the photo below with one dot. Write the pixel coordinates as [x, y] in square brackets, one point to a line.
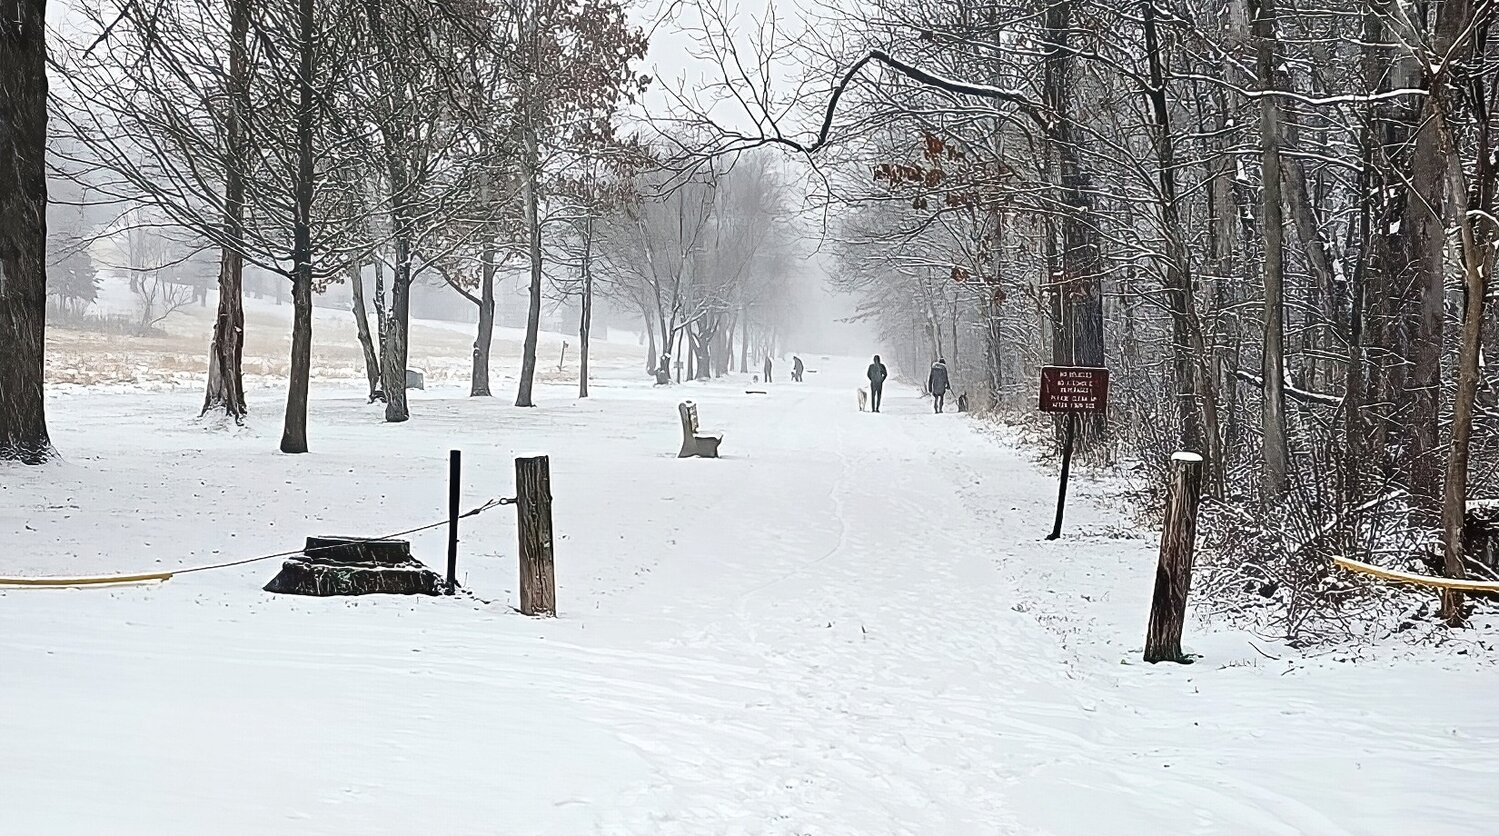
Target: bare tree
[23, 232]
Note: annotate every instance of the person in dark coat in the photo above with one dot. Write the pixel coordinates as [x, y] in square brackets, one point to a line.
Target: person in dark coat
[938, 383]
[767, 368]
[796, 369]
[877, 374]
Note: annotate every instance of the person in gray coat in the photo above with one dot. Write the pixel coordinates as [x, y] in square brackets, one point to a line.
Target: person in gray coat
[938, 383]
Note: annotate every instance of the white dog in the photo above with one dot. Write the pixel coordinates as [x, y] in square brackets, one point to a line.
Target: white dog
[863, 398]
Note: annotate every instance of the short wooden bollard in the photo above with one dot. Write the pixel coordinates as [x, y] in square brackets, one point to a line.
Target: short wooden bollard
[454, 458]
[1173, 574]
[533, 502]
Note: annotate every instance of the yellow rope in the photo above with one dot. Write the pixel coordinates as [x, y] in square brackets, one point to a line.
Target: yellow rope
[102, 579]
[1420, 580]
[165, 576]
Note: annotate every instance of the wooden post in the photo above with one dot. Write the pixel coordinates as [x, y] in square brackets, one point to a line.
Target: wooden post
[1056, 526]
[1173, 574]
[533, 502]
[453, 465]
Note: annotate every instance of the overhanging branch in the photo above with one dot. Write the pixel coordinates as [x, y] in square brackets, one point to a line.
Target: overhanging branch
[1027, 105]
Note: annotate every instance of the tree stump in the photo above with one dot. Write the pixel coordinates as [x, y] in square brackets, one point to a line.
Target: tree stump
[533, 502]
[1173, 577]
[353, 566]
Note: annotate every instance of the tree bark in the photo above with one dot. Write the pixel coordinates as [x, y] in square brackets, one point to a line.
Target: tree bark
[393, 361]
[1173, 578]
[1273, 416]
[1321, 321]
[294, 433]
[652, 359]
[533, 493]
[226, 385]
[401, 186]
[1178, 269]
[23, 232]
[1476, 240]
[703, 347]
[1356, 442]
[585, 320]
[484, 339]
[723, 357]
[1455, 492]
[533, 232]
[1426, 240]
[744, 339]
[362, 325]
[382, 319]
[1081, 263]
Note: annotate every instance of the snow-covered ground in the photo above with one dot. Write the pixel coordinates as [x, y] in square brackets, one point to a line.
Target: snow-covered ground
[175, 356]
[848, 625]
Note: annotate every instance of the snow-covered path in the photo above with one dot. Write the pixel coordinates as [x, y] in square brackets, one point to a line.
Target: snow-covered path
[848, 625]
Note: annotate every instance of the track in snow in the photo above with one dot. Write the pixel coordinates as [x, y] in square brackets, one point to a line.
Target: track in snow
[848, 625]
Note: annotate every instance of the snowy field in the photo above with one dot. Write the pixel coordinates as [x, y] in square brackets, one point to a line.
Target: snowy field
[848, 625]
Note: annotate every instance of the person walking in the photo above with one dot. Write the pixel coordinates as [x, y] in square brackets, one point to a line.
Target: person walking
[796, 369]
[767, 368]
[938, 383]
[876, 374]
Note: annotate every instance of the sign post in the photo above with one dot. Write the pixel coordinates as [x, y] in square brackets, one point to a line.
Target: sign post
[1071, 389]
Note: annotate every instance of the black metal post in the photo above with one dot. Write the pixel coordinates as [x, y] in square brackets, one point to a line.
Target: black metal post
[453, 466]
[1056, 528]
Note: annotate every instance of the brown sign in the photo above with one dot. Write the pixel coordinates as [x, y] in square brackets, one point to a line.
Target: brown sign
[1074, 389]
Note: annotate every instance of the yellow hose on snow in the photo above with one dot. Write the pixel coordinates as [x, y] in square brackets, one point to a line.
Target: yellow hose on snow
[102, 579]
[1419, 580]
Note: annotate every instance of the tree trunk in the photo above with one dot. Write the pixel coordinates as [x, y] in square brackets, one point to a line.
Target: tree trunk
[744, 341]
[1320, 327]
[393, 361]
[1382, 282]
[533, 232]
[1477, 242]
[723, 358]
[1178, 269]
[362, 325]
[294, 433]
[23, 232]
[1081, 263]
[1277, 464]
[585, 319]
[1455, 493]
[652, 359]
[1427, 242]
[479, 384]
[226, 385]
[703, 346]
[1355, 442]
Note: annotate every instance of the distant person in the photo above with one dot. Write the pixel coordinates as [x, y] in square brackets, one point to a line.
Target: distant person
[767, 368]
[797, 369]
[877, 374]
[938, 383]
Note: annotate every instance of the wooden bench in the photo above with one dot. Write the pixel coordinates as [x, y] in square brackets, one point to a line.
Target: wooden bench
[694, 441]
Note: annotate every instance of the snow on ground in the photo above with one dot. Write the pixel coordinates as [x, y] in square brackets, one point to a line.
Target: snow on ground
[176, 356]
[849, 625]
